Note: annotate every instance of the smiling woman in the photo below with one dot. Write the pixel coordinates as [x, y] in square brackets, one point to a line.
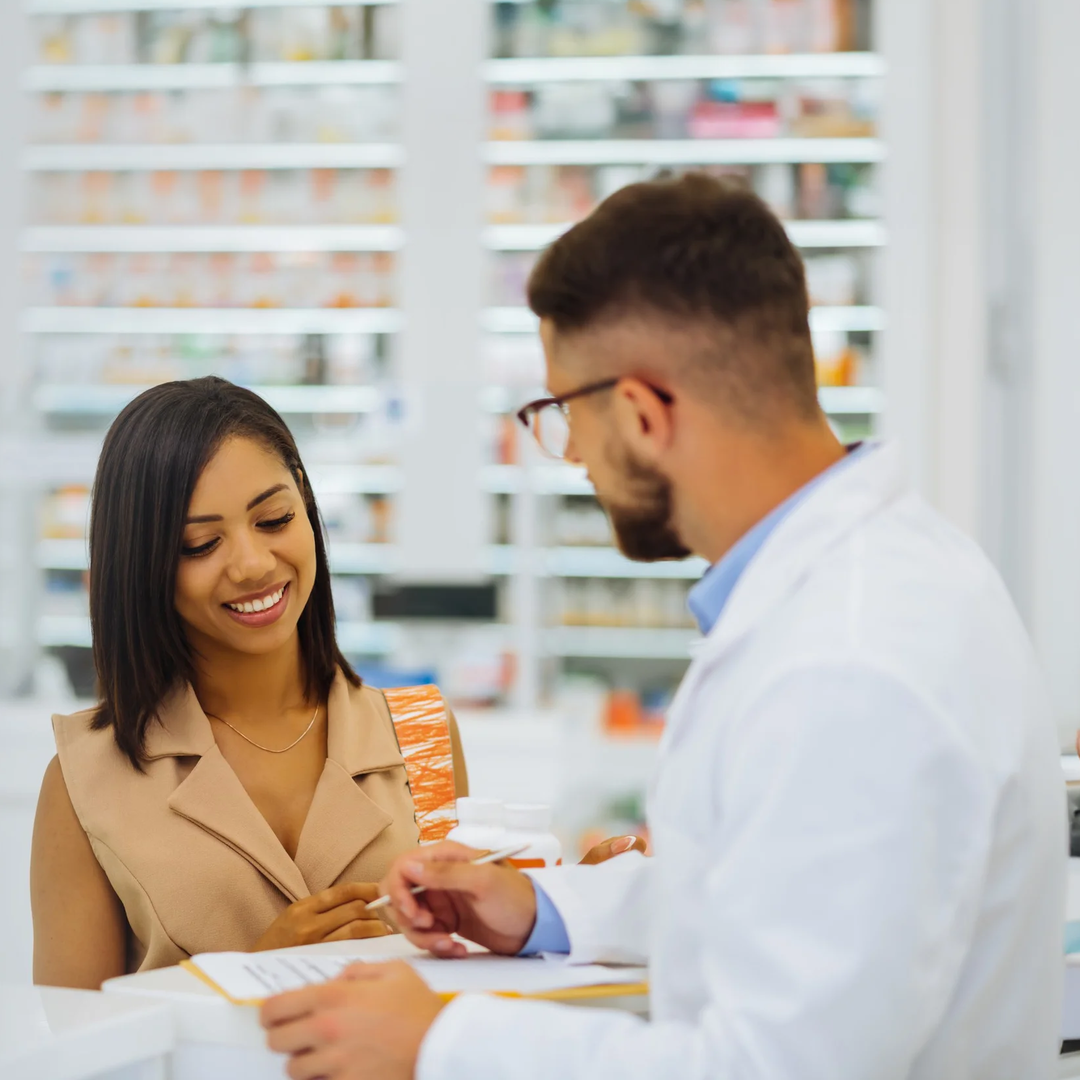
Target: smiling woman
[237, 787]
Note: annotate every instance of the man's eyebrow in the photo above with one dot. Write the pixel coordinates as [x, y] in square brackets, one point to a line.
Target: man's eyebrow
[268, 493]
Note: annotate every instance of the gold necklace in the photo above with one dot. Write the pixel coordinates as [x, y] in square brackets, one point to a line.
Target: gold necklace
[270, 750]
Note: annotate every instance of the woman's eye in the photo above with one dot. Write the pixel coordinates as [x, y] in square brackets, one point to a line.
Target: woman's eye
[201, 549]
[277, 523]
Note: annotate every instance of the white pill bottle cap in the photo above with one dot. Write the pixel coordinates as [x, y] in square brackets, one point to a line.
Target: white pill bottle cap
[472, 811]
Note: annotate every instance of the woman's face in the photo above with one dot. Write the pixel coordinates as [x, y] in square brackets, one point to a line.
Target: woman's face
[247, 565]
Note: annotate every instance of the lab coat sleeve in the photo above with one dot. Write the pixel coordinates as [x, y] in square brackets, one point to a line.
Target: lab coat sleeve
[605, 909]
[843, 884]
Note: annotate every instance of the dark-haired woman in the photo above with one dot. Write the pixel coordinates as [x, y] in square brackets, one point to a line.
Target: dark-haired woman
[237, 788]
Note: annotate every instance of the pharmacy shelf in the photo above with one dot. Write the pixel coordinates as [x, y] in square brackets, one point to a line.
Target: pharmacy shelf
[369, 639]
[564, 480]
[601, 562]
[363, 558]
[619, 643]
[95, 320]
[59, 630]
[108, 78]
[150, 157]
[855, 319]
[804, 234]
[57, 554]
[526, 72]
[685, 152]
[181, 238]
[107, 400]
[542, 479]
[90, 7]
[355, 479]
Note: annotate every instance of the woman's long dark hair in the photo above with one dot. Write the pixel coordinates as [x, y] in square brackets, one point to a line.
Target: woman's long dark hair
[152, 459]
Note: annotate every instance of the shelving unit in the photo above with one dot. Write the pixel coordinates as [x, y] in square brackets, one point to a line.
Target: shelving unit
[434, 378]
[804, 234]
[667, 152]
[125, 78]
[168, 157]
[127, 239]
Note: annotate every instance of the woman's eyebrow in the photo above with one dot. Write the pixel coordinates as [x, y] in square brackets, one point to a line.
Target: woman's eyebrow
[202, 519]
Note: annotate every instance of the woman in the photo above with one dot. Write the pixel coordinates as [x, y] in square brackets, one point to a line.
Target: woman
[237, 787]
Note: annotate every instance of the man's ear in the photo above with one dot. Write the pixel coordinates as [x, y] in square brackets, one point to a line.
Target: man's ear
[643, 419]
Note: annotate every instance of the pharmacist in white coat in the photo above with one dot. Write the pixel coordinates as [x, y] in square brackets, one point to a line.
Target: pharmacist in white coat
[858, 817]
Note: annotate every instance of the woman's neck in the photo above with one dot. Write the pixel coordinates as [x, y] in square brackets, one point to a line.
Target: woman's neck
[241, 686]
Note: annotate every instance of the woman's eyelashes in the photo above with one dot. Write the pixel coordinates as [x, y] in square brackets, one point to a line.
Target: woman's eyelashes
[278, 523]
[201, 549]
[271, 525]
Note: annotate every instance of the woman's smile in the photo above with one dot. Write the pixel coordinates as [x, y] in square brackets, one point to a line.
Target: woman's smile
[260, 609]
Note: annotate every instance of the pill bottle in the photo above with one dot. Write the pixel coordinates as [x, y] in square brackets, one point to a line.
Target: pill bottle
[480, 824]
[531, 824]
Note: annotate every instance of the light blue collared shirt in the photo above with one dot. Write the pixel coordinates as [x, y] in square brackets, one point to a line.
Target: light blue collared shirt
[706, 601]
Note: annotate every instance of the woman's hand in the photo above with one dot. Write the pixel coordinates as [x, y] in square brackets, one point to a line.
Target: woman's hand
[618, 845]
[336, 914]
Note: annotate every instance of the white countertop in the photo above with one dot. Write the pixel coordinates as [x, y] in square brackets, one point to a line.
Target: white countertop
[76, 1034]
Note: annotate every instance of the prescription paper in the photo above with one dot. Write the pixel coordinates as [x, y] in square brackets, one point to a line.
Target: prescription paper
[252, 977]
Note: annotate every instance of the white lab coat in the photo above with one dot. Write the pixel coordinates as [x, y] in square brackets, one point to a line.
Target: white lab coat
[859, 826]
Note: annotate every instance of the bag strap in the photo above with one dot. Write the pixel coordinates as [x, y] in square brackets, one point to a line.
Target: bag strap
[423, 734]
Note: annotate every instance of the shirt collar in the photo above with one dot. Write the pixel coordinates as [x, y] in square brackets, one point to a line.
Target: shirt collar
[710, 595]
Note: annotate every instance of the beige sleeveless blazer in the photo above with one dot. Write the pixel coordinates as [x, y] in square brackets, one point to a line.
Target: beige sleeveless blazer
[195, 865]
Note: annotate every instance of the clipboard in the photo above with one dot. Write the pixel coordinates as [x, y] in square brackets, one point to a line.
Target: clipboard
[567, 995]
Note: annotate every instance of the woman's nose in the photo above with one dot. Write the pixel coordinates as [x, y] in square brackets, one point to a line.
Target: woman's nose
[251, 560]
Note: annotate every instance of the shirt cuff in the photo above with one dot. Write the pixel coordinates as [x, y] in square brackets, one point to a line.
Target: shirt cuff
[549, 932]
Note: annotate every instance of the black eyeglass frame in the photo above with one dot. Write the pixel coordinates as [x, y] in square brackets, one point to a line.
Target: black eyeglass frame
[527, 412]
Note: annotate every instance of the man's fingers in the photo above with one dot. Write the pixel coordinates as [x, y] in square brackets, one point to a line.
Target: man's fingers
[297, 1004]
[452, 876]
[292, 1038]
[313, 1065]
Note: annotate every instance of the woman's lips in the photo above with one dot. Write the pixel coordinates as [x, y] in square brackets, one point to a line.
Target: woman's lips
[257, 619]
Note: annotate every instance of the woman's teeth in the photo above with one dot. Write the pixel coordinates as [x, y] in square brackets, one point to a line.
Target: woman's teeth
[251, 606]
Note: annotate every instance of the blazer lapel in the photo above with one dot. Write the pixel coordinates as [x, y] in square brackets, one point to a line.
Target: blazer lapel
[213, 798]
[343, 820]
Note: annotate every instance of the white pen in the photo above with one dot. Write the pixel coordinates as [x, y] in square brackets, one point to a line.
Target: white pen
[483, 860]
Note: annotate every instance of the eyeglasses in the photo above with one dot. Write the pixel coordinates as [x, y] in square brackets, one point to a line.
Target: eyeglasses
[549, 418]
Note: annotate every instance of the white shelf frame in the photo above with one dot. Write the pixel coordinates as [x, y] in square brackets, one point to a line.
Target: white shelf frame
[854, 319]
[803, 234]
[179, 157]
[119, 78]
[526, 72]
[107, 400]
[94, 7]
[91, 320]
[685, 152]
[372, 639]
[121, 239]
[625, 643]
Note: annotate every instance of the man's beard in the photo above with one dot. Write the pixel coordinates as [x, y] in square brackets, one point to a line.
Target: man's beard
[643, 528]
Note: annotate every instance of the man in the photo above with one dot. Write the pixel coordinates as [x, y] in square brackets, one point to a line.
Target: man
[858, 813]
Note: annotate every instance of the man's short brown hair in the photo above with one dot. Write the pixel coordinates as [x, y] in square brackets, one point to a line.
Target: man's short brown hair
[702, 254]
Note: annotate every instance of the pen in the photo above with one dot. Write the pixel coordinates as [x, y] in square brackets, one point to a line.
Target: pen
[483, 860]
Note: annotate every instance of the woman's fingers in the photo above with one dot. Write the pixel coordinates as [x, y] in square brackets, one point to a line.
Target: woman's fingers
[359, 929]
[335, 918]
[345, 893]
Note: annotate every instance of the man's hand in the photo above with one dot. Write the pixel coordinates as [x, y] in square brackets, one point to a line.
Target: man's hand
[493, 905]
[366, 1025]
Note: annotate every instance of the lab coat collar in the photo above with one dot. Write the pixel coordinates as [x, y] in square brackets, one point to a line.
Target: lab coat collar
[836, 507]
